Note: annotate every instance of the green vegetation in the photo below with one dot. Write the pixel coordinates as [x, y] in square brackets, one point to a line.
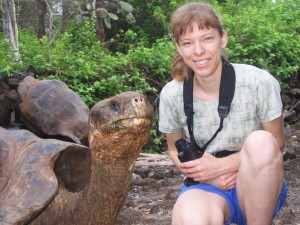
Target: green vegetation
[265, 34]
[138, 57]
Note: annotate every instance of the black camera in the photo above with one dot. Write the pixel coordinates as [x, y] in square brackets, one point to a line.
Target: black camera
[187, 151]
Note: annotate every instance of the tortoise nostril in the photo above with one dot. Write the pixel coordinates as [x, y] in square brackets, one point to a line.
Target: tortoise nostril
[138, 100]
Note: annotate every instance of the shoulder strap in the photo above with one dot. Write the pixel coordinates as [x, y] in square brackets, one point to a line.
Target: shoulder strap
[189, 111]
[227, 88]
[226, 93]
[188, 100]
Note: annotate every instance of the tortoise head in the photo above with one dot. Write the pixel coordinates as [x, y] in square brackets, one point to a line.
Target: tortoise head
[125, 118]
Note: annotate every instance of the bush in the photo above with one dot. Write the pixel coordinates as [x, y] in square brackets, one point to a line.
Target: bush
[265, 34]
[6, 66]
[34, 52]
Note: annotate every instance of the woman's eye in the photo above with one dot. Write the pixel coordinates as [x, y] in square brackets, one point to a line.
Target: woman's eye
[208, 39]
[186, 43]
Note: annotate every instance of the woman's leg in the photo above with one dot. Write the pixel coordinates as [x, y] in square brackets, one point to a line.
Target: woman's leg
[260, 177]
[197, 207]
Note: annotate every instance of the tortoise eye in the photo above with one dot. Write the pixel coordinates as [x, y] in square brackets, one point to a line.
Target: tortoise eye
[115, 106]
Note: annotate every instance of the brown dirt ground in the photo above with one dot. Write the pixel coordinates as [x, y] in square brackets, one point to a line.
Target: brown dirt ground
[156, 183]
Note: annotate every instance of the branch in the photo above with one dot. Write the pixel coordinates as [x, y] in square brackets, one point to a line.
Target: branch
[59, 29]
[290, 110]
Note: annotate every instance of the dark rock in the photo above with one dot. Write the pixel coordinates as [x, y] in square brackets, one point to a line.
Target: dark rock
[285, 99]
[289, 154]
[295, 91]
[13, 82]
[4, 88]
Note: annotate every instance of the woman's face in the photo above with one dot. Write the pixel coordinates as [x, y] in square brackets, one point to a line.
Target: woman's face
[201, 50]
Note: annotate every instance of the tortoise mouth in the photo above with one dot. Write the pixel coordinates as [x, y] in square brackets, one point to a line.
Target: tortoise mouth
[129, 124]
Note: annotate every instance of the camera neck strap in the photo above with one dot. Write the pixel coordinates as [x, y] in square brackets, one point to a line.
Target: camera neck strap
[226, 93]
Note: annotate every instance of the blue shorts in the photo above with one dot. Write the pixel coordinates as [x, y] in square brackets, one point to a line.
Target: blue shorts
[236, 213]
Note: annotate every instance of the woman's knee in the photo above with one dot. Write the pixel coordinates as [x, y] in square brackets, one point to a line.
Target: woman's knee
[183, 215]
[261, 148]
[191, 209]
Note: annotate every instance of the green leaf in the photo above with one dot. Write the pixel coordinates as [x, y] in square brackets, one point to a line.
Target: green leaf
[126, 6]
[107, 23]
[90, 5]
[113, 16]
[102, 13]
[130, 18]
[111, 6]
[119, 7]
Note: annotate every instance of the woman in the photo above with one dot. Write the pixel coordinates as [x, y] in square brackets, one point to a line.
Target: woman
[246, 187]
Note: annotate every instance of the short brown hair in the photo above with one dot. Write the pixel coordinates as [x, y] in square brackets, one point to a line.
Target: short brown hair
[182, 20]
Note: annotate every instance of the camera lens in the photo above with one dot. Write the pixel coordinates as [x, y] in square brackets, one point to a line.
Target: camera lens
[191, 152]
[179, 144]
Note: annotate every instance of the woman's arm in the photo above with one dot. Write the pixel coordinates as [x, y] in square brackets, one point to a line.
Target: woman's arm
[171, 139]
[276, 128]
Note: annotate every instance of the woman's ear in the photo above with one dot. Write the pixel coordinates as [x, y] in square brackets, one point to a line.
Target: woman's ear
[224, 40]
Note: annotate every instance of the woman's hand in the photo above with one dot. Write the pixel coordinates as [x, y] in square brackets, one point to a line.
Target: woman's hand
[202, 169]
[208, 169]
[224, 182]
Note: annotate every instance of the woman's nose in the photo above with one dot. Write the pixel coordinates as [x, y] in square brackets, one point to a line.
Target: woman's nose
[198, 48]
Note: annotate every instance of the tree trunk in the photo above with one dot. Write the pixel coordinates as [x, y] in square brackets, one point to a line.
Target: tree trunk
[10, 27]
[100, 31]
[42, 10]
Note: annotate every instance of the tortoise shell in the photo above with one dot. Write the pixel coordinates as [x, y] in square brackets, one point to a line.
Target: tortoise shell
[50, 109]
[27, 178]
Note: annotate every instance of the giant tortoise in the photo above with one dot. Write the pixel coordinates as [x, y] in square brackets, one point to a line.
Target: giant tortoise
[50, 181]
